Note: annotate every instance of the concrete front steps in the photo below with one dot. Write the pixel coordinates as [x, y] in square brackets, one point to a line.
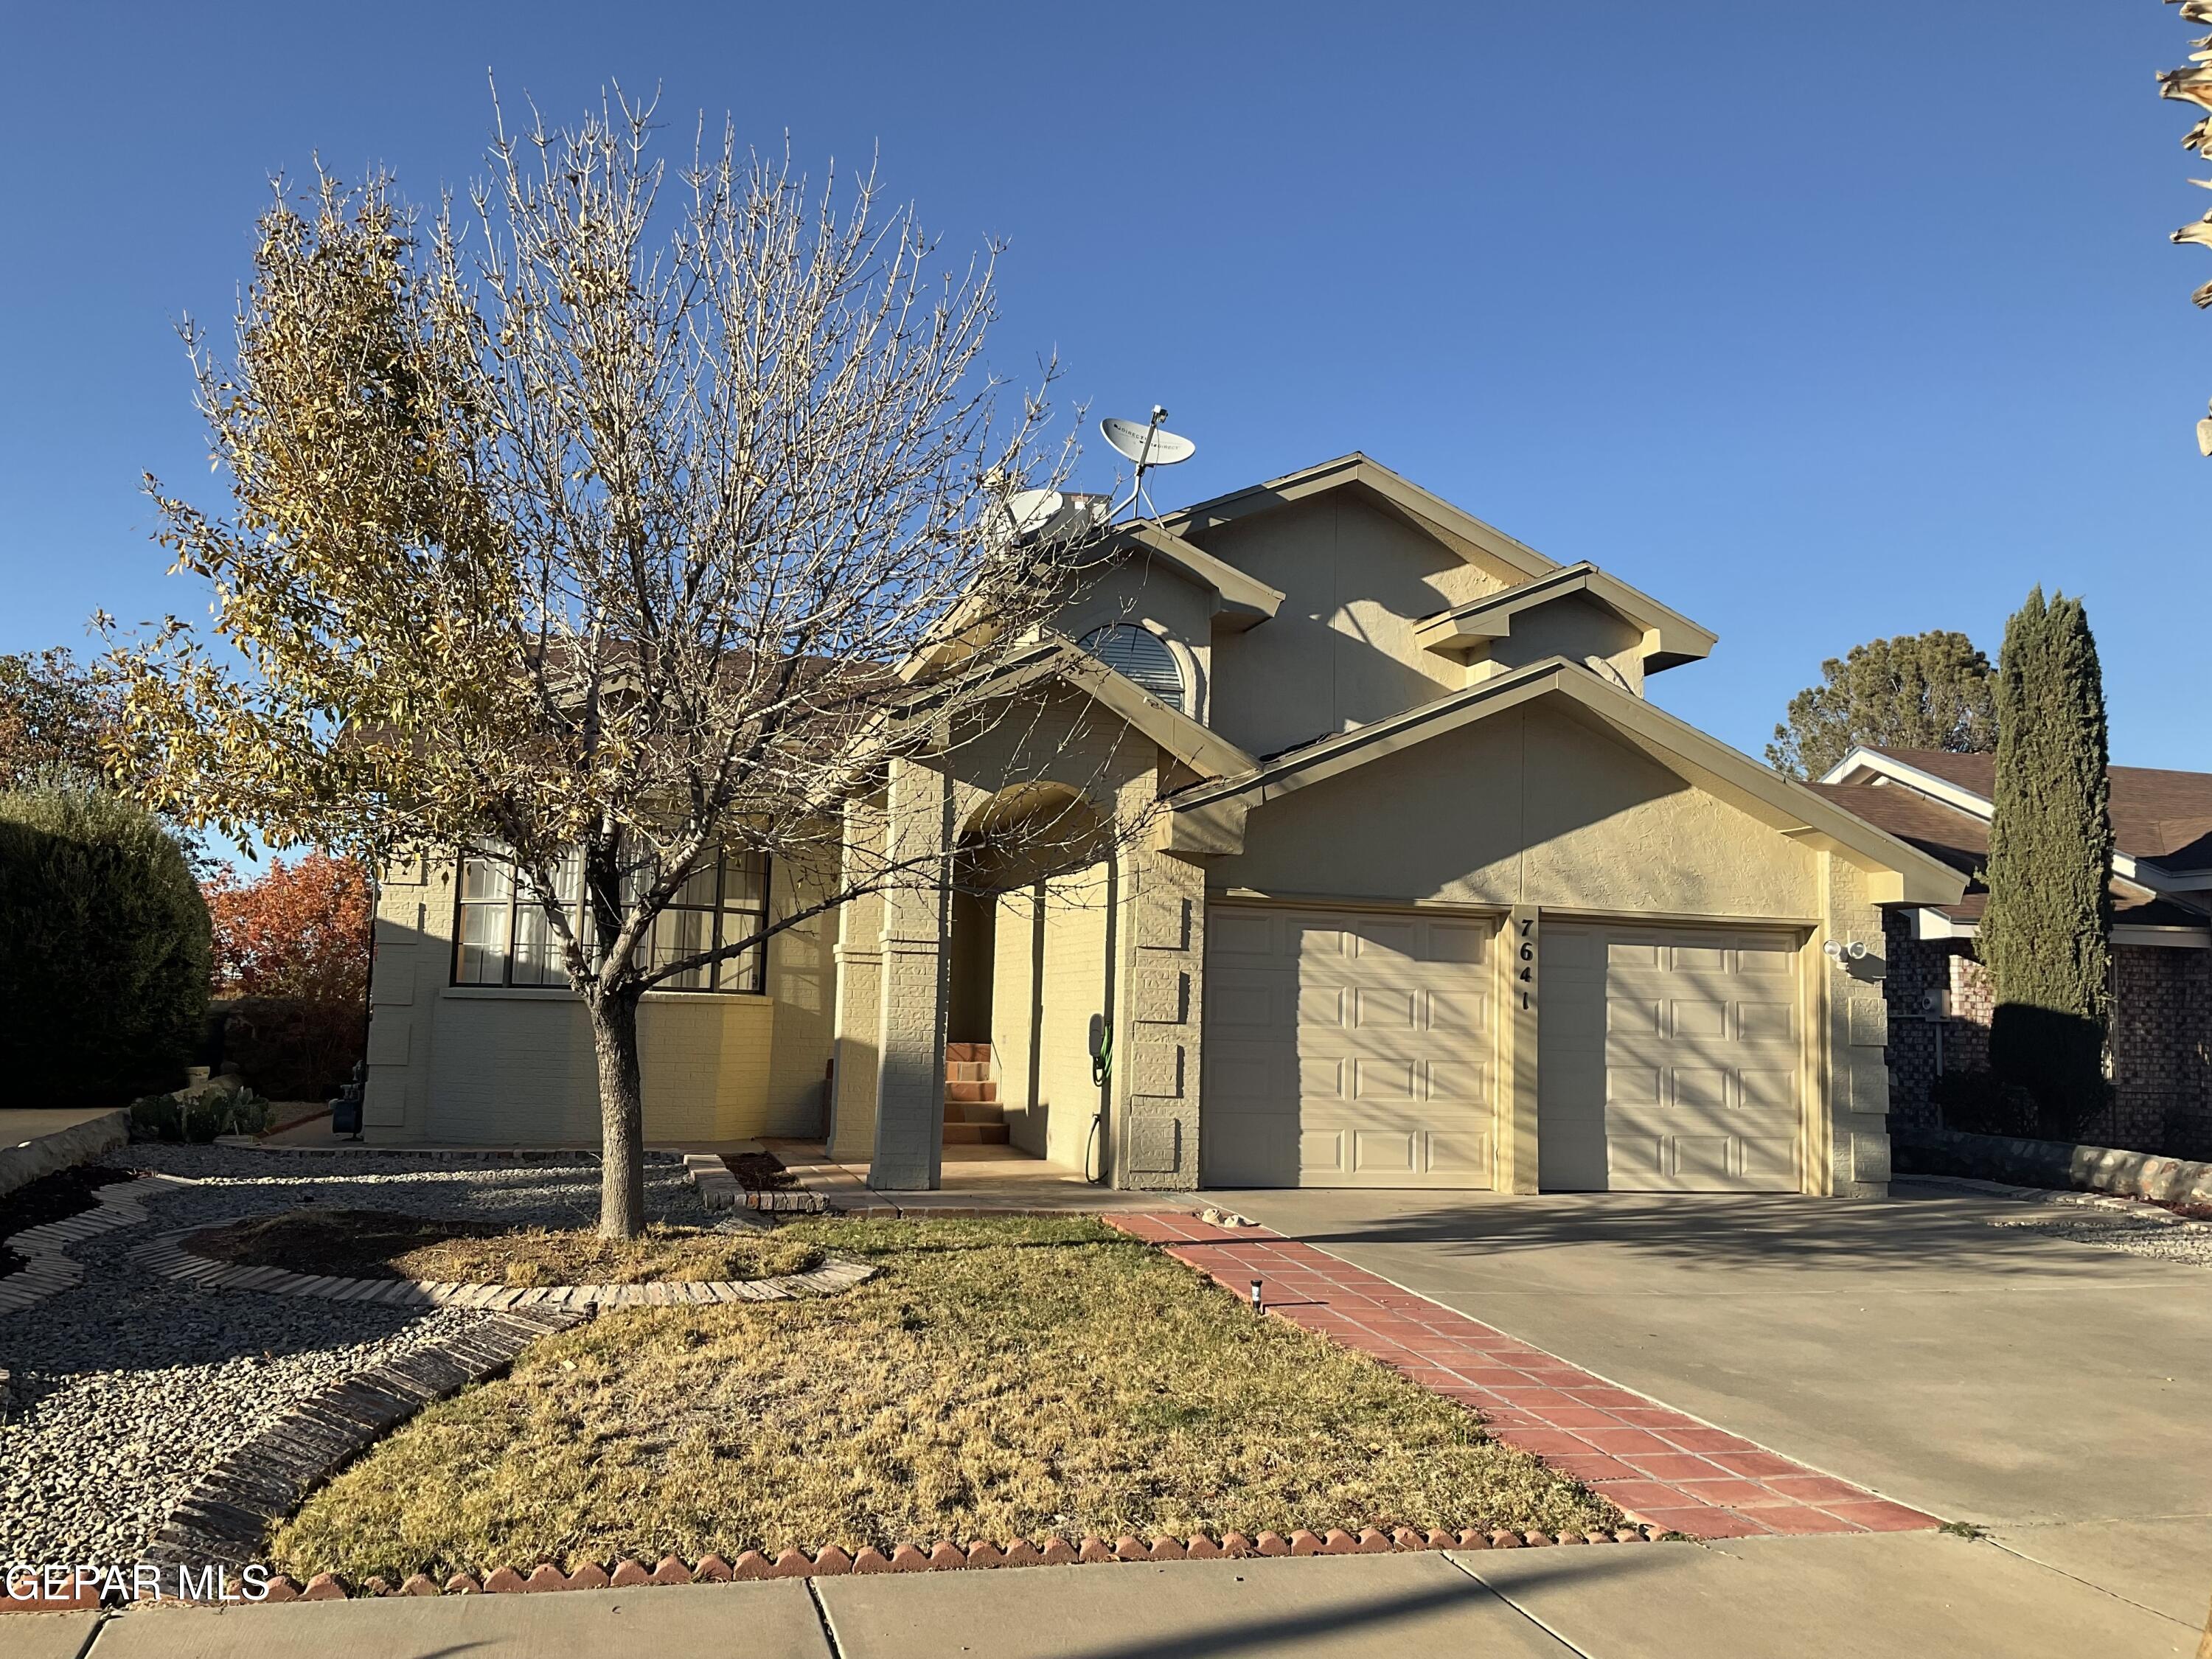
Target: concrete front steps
[973, 1116]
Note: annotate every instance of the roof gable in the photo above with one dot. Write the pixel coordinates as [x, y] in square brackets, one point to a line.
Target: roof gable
[1482, 544]
[1207, 817]
[2163, 816]
[1669, 637]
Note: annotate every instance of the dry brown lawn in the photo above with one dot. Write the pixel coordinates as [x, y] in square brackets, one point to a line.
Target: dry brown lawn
[387, 1244]
[1000, 1379]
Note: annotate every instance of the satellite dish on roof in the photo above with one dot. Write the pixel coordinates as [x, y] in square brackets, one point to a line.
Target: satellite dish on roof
[1031, 509]
[1148, 446]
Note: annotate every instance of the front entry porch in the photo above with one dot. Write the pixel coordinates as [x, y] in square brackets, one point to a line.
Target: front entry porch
[974, 1180]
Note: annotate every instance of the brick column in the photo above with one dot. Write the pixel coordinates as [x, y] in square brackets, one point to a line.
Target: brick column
[852, 1127]
[910, 1126]
[1157, 1042]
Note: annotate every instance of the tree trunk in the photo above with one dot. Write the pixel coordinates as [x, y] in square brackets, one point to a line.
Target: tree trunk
[621, 1115]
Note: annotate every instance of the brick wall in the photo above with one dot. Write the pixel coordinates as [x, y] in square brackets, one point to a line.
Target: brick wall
[2162, 1038]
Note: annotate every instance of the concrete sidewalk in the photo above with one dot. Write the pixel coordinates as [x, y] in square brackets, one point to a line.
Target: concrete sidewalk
[1820, 1598]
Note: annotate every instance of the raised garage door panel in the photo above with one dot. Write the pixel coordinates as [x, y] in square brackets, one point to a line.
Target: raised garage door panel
[1346, 1048]
[1669, 1060]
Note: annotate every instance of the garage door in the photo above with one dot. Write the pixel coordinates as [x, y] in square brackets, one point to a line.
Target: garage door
[1346, 1048]
[1668, 1061]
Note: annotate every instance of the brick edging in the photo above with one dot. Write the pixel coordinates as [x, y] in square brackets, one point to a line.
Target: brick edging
[720, 1190]
[830, 1561]
[225, 1519]
[50, 1269]
[165, 1254]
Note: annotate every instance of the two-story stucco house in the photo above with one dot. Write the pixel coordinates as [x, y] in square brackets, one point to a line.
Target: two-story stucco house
[1427, 895]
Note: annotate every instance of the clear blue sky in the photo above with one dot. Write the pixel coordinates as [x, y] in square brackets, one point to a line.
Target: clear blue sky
[1818, 324]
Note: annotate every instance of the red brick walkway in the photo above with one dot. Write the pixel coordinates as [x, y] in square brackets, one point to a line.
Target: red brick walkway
[1659, 1465]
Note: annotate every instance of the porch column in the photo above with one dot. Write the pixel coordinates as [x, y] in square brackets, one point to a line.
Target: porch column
[909, 1127]
[852, 1129]
[1156, 1048]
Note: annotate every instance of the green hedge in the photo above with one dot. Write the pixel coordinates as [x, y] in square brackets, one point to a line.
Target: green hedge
[104, 948]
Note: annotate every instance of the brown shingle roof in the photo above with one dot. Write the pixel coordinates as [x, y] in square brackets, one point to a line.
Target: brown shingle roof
[1962, 840]
[2163, 816]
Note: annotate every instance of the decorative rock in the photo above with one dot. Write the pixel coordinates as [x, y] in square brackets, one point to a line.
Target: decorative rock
[1502, 1539]
[907, 1559]
[1167, 1549]
[1234, 1543]
[1630, 1535]
[1572, 1538]
[590, 1576]
[1059, 1552]
[1273, 1543]
[986, 1555]
[672, 1571]
[462, 1584]
[504, 1581]
[545, 1576]
[1304, 1543]
[285, 1588]
[1337, 1541]
[830, 1562]
[870, 1559]
[712, 1570]
[1408, 1538]
[1373, 1540]
[419, 1584]
[629, 1573]
[1537, 1540]
[945, 1555]
[375, 1585]
[1129, 1548]
[324, 1587]
[1095, 1548]
[750, 1565]
[1202, 1548]
[1023, 1553]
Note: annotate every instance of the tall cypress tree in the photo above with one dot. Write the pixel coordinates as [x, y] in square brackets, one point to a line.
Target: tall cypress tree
[2046, 936]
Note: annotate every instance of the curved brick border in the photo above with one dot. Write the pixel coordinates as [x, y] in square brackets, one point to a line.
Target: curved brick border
[225, 1520]
[832, 1562]
[120, 1204]
[165, 1254]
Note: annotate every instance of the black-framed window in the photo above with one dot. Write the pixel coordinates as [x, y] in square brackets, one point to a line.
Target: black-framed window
[501, 938]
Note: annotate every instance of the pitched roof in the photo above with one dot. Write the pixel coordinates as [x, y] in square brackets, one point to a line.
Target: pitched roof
[1669, 637]
[2163, 816]
[1208, 816]
[1479, 544]
[1962, 840]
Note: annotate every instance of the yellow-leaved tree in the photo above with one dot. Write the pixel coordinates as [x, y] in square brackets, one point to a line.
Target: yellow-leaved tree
[594, 522]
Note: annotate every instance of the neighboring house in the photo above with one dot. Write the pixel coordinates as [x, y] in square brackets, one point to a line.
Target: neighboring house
[1940, 1003]
[1426, 895]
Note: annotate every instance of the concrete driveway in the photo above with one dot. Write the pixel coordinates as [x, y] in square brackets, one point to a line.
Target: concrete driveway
[2057, 1394]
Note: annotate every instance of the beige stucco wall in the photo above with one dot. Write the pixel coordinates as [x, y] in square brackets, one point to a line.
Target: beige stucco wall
[1342, 650]
[484, 1066]
[1528, 807]
[1572, 627]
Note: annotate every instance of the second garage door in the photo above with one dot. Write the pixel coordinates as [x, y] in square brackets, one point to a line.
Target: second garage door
[1668, 1060]
[1346, 1048]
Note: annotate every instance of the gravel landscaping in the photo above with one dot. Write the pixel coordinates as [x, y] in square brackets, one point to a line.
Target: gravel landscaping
[125, 1390]
[2158, 1240]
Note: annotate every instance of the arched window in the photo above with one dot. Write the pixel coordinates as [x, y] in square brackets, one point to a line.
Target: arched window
[1139, 654]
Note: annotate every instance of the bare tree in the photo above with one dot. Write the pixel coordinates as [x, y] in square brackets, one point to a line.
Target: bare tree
[601, 533]
[2193, 84]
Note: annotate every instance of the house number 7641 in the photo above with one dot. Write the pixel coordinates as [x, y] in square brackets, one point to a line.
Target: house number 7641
[1527, 974]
